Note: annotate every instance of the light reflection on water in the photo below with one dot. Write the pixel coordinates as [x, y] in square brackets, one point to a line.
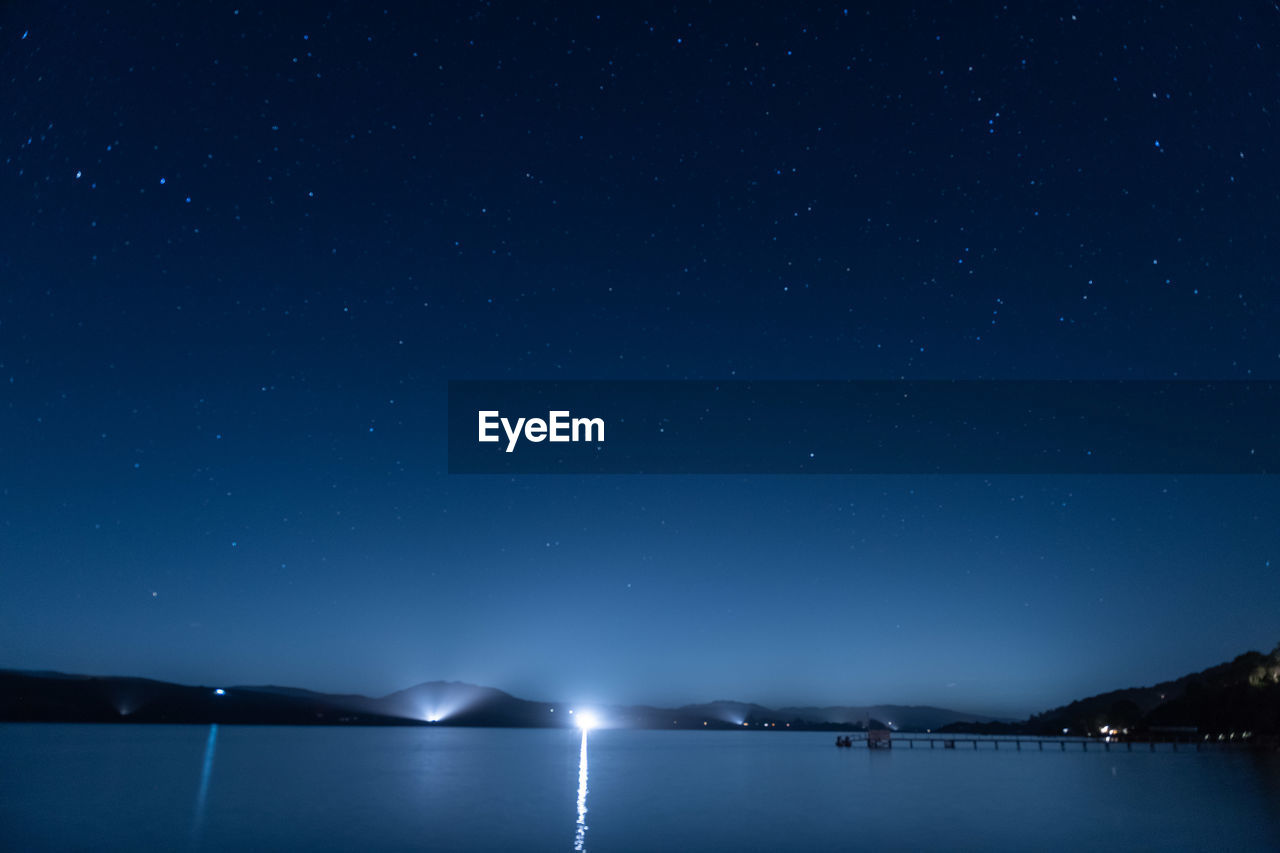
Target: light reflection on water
[580, 837]
[129, 787]
[206, 771]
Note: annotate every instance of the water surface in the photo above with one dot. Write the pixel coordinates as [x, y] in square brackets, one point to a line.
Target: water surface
[123, 787]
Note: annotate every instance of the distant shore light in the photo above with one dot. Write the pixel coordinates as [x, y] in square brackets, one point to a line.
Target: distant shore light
[219, 692]
[586, 720]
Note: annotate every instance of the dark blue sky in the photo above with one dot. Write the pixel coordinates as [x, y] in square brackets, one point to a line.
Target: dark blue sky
[244, 249]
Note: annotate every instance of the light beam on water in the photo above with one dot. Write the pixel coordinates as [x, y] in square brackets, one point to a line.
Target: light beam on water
[206, 771]
[580, 835]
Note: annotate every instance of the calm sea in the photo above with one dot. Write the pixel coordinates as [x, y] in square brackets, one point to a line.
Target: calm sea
[122, 787]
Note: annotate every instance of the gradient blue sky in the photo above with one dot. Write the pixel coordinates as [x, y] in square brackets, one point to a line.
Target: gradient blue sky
[245, 249]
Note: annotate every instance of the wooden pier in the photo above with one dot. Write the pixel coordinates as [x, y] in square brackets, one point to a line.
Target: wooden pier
[1062, 744]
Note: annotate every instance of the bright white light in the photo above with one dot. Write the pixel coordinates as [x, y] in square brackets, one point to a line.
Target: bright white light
[219, 692]
[586, 720]
[433, 719]
[580, 832]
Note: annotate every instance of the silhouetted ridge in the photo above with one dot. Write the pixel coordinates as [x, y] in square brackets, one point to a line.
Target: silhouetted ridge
[1241, 695]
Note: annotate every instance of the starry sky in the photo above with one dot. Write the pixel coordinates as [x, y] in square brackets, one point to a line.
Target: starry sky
[243, 247]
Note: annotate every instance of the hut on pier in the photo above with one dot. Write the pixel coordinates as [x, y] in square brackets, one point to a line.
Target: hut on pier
[879, 738]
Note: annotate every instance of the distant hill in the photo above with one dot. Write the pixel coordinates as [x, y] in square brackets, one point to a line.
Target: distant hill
[905, 717]
[46, 697]
[1242, 695]
[57, 697]
[1237, 696]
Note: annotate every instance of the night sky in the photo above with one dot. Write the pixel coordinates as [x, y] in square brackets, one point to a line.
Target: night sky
[244, 247]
